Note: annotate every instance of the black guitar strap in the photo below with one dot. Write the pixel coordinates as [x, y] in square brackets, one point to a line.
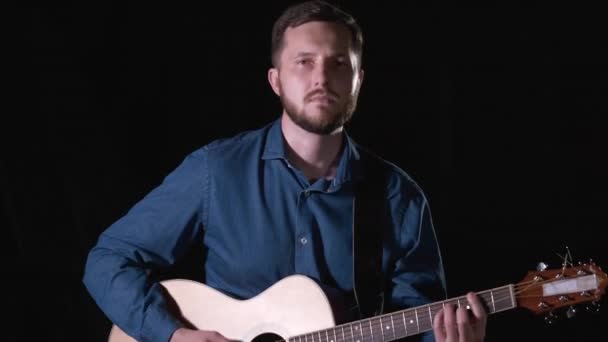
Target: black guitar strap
[369, 219]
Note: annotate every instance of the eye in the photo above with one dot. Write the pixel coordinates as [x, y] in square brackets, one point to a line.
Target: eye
[303, 61]
[341, 62]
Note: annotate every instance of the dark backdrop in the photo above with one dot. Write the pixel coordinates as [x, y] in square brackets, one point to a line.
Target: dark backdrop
[498, 112]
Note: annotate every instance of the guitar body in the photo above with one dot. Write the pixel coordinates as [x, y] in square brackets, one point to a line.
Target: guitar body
[293, 306]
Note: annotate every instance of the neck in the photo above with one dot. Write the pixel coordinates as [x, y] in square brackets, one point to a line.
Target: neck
[314, 154]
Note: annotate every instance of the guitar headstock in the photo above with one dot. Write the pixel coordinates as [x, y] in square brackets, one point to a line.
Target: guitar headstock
[549, 289]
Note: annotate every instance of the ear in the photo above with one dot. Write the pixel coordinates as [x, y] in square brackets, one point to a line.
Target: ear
[273, 79]
[357, 85]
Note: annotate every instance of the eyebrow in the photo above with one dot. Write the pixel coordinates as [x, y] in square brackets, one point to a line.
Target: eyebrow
[310, 54]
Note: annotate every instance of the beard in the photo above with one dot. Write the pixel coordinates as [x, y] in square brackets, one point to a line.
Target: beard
[330, 119]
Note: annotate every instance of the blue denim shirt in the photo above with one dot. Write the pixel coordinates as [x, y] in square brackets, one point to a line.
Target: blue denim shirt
[259, 220]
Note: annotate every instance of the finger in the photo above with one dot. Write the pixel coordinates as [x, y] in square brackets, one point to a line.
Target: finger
[476, 305]
[451, 329]
[465, 330]
[438, 326]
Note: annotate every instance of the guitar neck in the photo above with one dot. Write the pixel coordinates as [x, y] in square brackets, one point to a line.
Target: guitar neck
[408, 322]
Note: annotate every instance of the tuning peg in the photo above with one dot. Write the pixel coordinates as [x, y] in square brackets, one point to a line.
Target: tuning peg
[541, 266]
[593, 307]
[550, 318]
[571, 312]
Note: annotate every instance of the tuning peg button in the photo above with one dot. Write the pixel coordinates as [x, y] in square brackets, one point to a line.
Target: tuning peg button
[593, 307]
[543, 305]
[541, 266]
[550, 318]
[571, 312]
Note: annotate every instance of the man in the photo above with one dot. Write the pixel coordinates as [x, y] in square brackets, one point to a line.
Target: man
[278, 201]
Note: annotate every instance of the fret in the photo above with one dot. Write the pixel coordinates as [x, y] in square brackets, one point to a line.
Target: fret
[393, 326]
[493, 305]
[371, 330]
[320, 337]
[377, 326]
[504, 298]
[327, 336]
[382, 329]
[502, 303]
[417, 323]
[511, 294]
[430, 315]
[399, 329]
[359, 330]
[335, 338]
[386, 328]
[404, 323]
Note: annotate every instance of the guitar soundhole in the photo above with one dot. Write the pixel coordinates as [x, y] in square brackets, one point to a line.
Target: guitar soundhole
[268, 337]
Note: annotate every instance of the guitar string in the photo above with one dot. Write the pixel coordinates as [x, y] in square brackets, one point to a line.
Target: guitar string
[376, 322]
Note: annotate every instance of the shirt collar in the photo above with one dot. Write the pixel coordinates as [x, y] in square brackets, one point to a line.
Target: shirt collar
[349, 167]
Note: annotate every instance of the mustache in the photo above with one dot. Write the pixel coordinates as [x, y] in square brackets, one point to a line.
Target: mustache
[332, 95]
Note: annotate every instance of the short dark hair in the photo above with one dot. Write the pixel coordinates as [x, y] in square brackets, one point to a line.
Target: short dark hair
[308, 11]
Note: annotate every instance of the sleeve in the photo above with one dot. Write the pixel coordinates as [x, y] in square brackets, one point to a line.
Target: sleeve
[154, 233]
[418, 276]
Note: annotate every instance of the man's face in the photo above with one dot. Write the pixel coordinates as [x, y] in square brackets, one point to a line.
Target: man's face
[317, 76]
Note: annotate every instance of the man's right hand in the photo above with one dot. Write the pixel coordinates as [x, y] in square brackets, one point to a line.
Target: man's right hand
[189, 335]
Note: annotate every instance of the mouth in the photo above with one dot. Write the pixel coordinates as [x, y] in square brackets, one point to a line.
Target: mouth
[324, 99]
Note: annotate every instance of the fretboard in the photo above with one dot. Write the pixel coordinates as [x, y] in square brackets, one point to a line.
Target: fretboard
[406, 322]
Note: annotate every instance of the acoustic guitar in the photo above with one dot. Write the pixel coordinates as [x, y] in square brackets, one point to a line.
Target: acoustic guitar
[296, 309]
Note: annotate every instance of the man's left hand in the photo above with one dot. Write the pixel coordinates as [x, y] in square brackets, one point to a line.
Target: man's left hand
[454, 324]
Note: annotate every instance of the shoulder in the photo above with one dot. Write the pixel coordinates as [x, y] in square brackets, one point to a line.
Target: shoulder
[225, 153]
[233, 147]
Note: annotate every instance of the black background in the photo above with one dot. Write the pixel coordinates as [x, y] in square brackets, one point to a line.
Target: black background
[496, 110]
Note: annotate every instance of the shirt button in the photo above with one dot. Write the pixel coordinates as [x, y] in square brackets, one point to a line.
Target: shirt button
[303, 240]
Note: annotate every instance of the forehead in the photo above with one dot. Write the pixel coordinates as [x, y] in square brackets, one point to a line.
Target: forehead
[317, 36]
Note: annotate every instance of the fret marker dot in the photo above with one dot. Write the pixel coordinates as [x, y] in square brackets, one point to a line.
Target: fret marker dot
[411, 321]
[468, 307]
[357, 328]
[388, 328]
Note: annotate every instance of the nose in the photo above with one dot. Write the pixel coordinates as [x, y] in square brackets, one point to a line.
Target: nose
[321, 74]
